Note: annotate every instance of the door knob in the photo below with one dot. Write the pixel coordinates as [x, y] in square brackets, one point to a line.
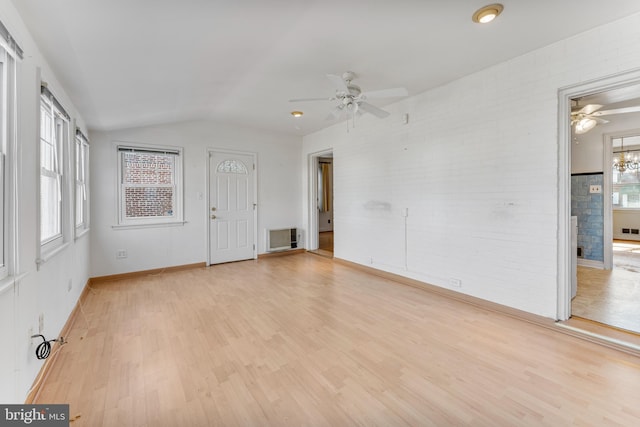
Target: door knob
[213, 208]
[213, 217]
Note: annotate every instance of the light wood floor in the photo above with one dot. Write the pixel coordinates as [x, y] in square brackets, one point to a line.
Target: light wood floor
[302, 340]
[325, 240]
[325, 244]
[612, 297]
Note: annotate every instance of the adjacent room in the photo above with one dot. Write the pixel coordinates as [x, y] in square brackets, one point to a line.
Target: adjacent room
[321, 212]
[604, 161]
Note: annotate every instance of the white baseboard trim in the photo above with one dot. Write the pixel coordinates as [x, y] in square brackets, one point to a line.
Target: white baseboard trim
[591, 263]
[630, 237]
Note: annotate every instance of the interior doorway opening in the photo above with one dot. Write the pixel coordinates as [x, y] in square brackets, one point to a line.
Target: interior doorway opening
[321, 207]
[602, 113]
[610, 295]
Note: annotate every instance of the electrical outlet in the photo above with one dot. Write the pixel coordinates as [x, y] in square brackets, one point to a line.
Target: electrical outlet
[595, 189]
[121, 254]
[456, 283]
[41, 323]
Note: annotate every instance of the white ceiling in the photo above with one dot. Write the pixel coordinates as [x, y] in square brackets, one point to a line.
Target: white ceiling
[128, 63]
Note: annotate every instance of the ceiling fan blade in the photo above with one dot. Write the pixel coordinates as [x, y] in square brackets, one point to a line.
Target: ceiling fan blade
[635, 109]
[338, 83]
[369, 108]
[579, 117]
[311, 99]
[386, 93]
[589, 109]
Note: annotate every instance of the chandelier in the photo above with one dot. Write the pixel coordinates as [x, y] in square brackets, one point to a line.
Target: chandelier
[625, 162]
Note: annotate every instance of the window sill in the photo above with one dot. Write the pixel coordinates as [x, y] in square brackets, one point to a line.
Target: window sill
[81, 233]
[50, 254]
[627, 209]
[154, 225]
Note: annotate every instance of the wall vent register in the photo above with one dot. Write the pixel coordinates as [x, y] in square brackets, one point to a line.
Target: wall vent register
[282, 239]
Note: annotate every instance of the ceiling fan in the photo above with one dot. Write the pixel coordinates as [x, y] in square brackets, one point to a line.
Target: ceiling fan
[351, 100]
[590, 115]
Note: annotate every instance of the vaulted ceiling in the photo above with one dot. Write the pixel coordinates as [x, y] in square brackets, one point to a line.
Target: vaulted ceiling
[128, 63]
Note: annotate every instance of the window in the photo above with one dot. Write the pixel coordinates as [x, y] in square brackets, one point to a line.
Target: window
[3, 215]
[626, 184]
[150, 188]
[54, 129]
[8, 194]
[82, 183]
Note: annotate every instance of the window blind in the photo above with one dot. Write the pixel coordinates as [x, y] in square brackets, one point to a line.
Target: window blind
[148, 151]
[12, 44]
[44, 90]
[81, 135]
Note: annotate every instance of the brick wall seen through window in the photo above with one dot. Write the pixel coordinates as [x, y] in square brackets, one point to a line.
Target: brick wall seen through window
[148, 184]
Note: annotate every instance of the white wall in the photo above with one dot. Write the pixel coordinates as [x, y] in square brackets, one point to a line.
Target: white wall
[625, 219]
[279, 189]
[44, 291]
[477, 169]
[587, 149]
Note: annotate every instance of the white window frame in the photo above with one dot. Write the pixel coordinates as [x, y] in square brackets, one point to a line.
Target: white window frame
[632, 153]
[4, 210]
[141, 222]
[81, 189]
[8, 166]
[60, 129]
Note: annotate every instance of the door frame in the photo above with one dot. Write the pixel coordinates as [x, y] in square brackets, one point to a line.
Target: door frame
[254, 156]
[565, 95]
[313, 160]
[607, 203]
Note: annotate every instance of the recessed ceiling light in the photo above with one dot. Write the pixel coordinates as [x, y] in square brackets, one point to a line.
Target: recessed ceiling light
[487, 14]
[297, 113]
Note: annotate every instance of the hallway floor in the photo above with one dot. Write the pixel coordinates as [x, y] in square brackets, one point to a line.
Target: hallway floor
[325, 244]
[612, 297]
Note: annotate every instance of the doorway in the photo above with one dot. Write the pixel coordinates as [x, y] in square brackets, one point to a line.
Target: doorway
[231, 207]
[325, 204]
[611, 295]
[607, 292]
[321, 224]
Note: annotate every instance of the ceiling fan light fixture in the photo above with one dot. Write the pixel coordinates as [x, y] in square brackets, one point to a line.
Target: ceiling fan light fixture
[584, 125]
[488, 13]
[297, 113]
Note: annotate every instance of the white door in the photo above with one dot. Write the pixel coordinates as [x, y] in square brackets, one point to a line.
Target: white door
[231, 207]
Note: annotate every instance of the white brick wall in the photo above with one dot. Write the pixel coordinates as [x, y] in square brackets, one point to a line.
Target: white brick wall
[477, 169]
